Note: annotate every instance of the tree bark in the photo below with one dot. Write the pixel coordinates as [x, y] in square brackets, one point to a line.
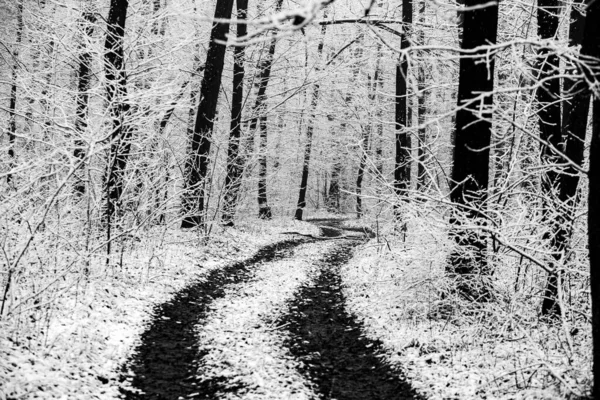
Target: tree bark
[594, 237]
[197, 162]
[116, 78]
[309, 133]
[591, 48]
[470, 171]
[264, 211]
[12, 107]
[235, 162]
[84, 77]
[333, 193]
[547, 96]
[421, 110]
[402, 139]
[563, 184]
[380, 139]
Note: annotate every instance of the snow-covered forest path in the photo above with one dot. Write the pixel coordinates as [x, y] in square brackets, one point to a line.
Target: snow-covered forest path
[272, 326]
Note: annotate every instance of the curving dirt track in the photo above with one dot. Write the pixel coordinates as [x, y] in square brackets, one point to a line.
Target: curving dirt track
[335, 355]
[166, 363]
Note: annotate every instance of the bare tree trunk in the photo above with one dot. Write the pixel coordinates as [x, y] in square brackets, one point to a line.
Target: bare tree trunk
[264, 211]
[119, 108]
[235, 162]
[594, 232]
[198, 159]
[421, 110]
[309, 133]
[12, 108]
[402, 140]
[84, 77]
[379, 145]
[470, 171]
[366, 133]
[591, 48]
[333, 195]
[547, 97]
[561, 188]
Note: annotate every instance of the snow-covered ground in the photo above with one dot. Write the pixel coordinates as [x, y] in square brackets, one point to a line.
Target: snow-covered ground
[501, 351]
[93, 323]
[243, 341]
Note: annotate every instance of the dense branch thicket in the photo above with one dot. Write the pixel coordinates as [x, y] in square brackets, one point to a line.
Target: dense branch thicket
[462, 126]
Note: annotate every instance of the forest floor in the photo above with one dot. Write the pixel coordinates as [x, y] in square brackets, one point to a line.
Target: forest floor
[277, 310]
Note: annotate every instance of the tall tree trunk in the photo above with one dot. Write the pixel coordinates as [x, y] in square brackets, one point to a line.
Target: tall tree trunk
[402, 139]
[591, 48]
[84, 77]
[264, 211]
[197, 162]
[12, 107]
[421, 109]
[333, 194]
[576, 26]
[364, 148]
[234, 160]
[569, 139]
[158, 27]
[379, 146]
[309, 133]
[470, 171]
[594, 229]
[116, 78]
[547, 96]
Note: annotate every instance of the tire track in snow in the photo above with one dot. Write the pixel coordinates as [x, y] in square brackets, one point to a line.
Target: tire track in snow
[335, 354]
[244, 343]
[165, 364]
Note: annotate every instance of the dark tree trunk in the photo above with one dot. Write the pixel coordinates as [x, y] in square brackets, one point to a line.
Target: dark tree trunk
[235, 163]
[591, 48]
[379, 148]
[307, 147]
[116, 78]
[333, 195]
[575, 37]
[366, 133]
[84, 77]
[547, 97]
[421, 110]
[570, 140]
[12, 107]
[259, 120]
[402, 140]
[197, 162]
[194, 93]
[309, 133]
[594, 235]
[158, 27]
[264, 211]
[470, 171]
